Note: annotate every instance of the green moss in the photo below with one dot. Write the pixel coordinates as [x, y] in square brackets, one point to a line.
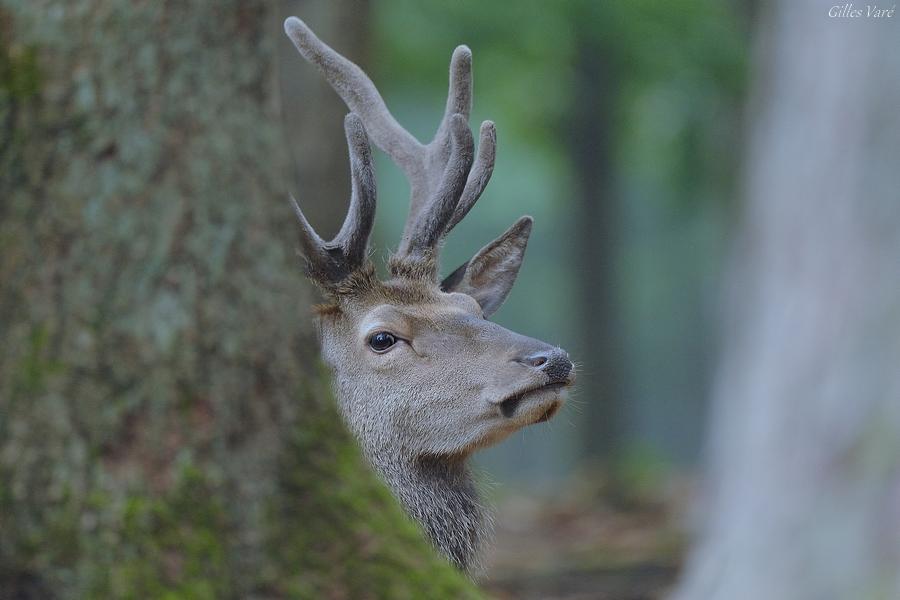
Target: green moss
[170, 546]
[332, 530]
[20, 74]
[35, 367]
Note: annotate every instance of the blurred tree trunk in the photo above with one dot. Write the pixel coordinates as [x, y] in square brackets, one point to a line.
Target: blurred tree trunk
[164, 428]
[804, 486]
[312, 108]
[591, 138]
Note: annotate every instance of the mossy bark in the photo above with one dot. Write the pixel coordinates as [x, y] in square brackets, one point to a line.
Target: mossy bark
[164, 428]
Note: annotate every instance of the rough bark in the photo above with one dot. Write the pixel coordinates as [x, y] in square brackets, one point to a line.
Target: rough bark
[164, 427]
[804, 484]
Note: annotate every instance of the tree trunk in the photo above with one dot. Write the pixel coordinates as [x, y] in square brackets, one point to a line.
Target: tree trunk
[804, 486]
[164, 427]
[591, 137]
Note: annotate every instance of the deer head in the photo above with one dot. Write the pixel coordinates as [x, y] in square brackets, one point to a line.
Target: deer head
[423, 379]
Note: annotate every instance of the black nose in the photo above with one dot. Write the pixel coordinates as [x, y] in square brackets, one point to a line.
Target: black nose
[555, 363]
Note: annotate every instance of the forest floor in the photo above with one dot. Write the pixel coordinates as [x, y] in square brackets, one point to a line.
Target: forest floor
[584, 546]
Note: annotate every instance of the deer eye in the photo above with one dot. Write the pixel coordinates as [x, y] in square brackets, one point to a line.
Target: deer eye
[381, 341]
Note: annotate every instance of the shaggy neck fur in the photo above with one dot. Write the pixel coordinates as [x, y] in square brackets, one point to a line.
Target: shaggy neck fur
[439, 493]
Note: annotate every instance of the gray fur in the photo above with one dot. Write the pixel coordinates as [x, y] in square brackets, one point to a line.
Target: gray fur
[441, 496]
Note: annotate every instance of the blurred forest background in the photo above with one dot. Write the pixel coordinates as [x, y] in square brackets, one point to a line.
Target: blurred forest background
[164, 428]
[619, 130]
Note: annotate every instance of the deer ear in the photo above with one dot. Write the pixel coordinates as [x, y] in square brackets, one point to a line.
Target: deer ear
[491, 273]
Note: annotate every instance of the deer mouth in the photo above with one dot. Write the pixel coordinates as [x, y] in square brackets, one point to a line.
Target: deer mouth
[510, 406]
[548, 414]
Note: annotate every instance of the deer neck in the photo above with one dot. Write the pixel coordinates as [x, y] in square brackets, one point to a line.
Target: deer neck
[441, 495]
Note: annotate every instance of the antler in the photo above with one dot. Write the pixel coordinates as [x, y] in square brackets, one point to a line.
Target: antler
[445, 178]
[331, 262]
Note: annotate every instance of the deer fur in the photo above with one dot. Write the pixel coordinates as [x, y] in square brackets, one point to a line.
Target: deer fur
[448, 382]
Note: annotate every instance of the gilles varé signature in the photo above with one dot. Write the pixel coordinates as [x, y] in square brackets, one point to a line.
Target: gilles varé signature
[871, 11]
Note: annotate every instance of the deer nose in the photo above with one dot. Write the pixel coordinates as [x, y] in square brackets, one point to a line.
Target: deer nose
[554, 363]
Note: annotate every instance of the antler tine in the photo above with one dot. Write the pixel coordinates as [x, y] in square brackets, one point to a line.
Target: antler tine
[320, 264]
[354, 234]
[459, 96]
[424, 233]
[479, 176]
[359, 93]
[331, 262]
[312, 245]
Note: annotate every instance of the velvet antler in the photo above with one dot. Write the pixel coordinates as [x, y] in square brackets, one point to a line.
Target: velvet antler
[330, 262]
[445, 177]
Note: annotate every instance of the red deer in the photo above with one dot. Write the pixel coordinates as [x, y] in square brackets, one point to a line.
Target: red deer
[422, 378]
